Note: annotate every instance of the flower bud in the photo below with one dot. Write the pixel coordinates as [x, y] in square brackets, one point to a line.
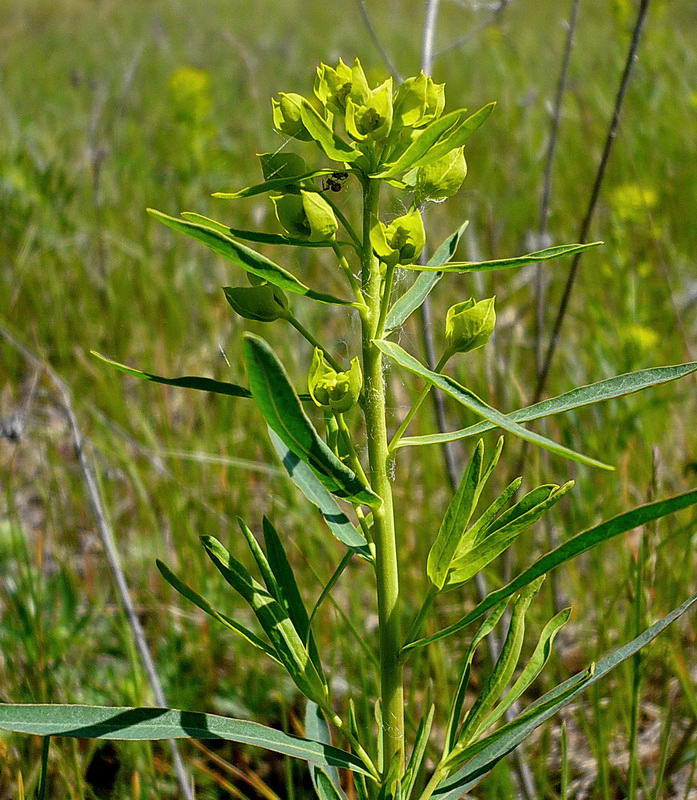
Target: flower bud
[336, 390]
[469, 325]
[442, 178]
[306, 215]
[286, 116]
[334, 85]
[370, 118]
[400, 242]
[282, 165]
[263, 303]
[419, 101]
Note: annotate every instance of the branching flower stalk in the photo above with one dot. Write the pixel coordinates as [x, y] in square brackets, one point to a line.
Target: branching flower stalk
[382, 141]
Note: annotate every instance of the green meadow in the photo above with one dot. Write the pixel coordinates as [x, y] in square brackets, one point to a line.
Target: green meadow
[107, 108]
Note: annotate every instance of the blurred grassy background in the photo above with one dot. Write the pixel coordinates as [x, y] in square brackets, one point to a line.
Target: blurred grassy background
[108, 107]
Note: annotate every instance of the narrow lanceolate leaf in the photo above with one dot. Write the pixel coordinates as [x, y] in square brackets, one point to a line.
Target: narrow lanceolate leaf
[547, 254]
[422, 144]
[185, 382]
[455, 137]
[417, 754]
[425, 282]
[501, 535]
[458, 700]
[281, 409]
[470, 400]
[570, 549]
[304, 478]
[273, 619]
[333, 147]
[152, 724]
[483, 755]
[456, 519]
[503, 669]
[252, 236]
[532, 669]
[194, 597]
[241, 255]
[598, 392]
[324, 779]
[272, 185]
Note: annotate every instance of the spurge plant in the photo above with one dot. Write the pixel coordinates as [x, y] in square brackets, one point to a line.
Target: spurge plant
[334, 441]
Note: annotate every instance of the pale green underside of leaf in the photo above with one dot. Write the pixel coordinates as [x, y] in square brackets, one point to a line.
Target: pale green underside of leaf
[273, 184]
[241, 255]
[184, 382]
[303, 477]
[547, 254]
[281, 409]
[425, 282]
[151, 724]
[470, 400]
[487, 752]
[578, 544]
[598, 392]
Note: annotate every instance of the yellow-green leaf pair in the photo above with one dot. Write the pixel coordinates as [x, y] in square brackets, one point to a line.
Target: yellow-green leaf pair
[338, 391]
[401, 241]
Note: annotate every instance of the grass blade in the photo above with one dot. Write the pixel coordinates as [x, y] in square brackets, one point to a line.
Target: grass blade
[152, 724]
[607, 389]
[578, 544]
[486, 753]
[425, 282]
[281, 409]
[547, 254]
[470, 400]
[249, 260]
[417, 753]
[324, 779]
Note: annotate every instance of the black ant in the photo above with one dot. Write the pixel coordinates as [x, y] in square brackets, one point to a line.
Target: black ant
[334, 182]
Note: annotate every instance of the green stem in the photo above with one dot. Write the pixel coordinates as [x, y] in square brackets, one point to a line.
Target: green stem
[416, 406]
[415, 627]
[386, 565]
[386, 296]
[348, 272]
[303, 331]
[43, 780]
[348, 439]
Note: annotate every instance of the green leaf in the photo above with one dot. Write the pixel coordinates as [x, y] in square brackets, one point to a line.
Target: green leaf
[570, 549]
[324, 779]
[320, 130]
[185, 382]
[504, 668]
[273, 184]
[417, 754]
[425, 282]
[241, 255]
[531, 670]
[273, 619]
[194, 597]
[455, 713]
[470, 400]
[509, 263]
[304, 478]
[487, 752]
[280, 407]
[456, 520]
[422, 144]
[456, 137]
[502, 533]
[598, 392]
[253, 236]
[152, 724]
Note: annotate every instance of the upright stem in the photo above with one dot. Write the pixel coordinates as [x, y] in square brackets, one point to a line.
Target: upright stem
[386, 567]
